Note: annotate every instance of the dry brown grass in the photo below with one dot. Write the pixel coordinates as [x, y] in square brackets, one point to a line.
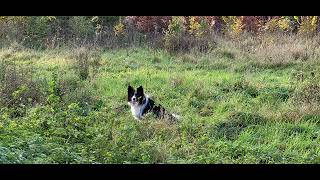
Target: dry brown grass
[84, 59]
[272, 50]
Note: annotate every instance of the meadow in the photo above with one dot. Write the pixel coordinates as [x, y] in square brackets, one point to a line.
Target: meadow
[247, 101]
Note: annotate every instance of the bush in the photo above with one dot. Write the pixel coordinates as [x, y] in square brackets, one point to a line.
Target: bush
[81, 28]
[308, 25]
[19, 89]
[67, 88]
[12, 29]
[251, 24]
[84, 95]
[37, 31]
[174, 33]
[149, 24]
[106, 20]
[233, 25]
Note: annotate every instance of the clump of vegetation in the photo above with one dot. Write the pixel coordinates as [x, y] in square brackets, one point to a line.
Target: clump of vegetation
[19, 89]
[86, 58]
[308, 94]
[236, 123]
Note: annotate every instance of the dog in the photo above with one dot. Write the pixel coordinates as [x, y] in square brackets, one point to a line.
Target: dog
[141, 104]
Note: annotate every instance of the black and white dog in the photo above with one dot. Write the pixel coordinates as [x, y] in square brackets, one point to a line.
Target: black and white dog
[141, 104]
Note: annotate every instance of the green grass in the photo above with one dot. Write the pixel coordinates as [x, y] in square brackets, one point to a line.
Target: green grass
[233, 111]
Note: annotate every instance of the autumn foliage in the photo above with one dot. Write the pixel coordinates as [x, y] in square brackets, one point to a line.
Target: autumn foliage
[52, 31]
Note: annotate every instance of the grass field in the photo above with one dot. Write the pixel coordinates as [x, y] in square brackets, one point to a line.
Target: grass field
[235, 107]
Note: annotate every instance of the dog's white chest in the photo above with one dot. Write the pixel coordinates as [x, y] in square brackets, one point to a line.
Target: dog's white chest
[136, 111]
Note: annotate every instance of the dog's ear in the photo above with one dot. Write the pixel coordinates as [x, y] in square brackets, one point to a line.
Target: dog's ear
[130, 92]
[140, 89]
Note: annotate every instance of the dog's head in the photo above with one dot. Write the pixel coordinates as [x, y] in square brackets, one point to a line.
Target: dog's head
[135, 97]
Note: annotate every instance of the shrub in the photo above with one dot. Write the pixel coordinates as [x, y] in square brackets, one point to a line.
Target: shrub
[271, 25]
[84, 95]
[308, 25]
[66, 88]
[174, 33]
[236, 25]
[233, 25]
[119, 29]
[81, 28]
[19, 89]
[196, 26]
[37, 31]
[285, 24]
[12, 29]
[251, 24]
[106, 20]
[215, 23]
[149, 24]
